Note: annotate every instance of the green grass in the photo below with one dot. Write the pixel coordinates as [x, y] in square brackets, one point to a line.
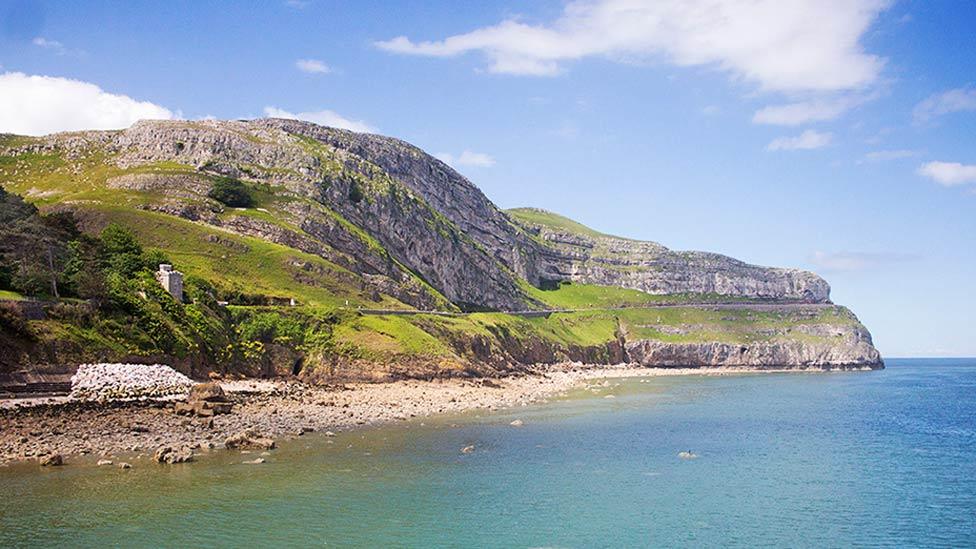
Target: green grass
[50, 179]
[591, 296]
[379, 337]
[243, 264]
[535, 216]
[427, 335]
[11, 140]
[11, 296]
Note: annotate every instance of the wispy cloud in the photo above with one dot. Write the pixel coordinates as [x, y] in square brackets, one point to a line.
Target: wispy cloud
[883, 156]
[312, 66]
[857, 261]
[804, 112]
[467, 158]
[948, 102]
[39, 105]
[948, 173]
[324, 117]
[298, 4]
[802, 45]
[53, 45]
[566, 130]
[809, 139]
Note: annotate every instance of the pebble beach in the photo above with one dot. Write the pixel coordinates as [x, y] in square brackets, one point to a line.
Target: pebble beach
[103, 430]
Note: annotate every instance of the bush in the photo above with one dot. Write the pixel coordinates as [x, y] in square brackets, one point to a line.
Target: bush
[355, 192]
[12, 321]
[231, 192]
[122, 252]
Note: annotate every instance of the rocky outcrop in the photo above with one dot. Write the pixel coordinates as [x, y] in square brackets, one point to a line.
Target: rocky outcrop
[249, 440]
[171, 455]
[785, 354]
[205, 400]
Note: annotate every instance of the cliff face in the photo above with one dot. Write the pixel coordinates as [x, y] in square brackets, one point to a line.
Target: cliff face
[854, 349]
[576, 253]
[425, 216]
[382, 224]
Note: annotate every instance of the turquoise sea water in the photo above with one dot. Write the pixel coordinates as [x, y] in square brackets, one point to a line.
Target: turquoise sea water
[882, 458]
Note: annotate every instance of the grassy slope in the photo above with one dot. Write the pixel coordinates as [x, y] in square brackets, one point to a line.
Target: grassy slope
[381, 337]
[535, 216]
[231, 262]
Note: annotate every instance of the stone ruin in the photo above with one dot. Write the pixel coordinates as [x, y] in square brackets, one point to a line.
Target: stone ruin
[172, 281]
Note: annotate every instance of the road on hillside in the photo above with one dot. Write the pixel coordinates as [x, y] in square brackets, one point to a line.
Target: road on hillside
[547, 312]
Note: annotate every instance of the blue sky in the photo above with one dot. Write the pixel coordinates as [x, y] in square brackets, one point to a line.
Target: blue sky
[832, 136]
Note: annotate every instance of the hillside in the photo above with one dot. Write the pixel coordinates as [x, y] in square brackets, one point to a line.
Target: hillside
[258, 213]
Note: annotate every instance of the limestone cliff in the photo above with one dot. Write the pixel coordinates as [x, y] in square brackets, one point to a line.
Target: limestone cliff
[350, 220]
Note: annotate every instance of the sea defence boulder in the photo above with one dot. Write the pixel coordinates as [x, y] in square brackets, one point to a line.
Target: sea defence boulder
[127, 381]
[205, 399]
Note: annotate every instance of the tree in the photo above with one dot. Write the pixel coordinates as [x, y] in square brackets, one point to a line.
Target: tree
[231, 192]
[121, 252]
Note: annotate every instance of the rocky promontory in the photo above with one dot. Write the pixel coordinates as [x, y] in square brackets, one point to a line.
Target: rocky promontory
[332, 255]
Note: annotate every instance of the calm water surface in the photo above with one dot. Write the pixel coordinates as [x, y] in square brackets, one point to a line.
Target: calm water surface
[807, 460]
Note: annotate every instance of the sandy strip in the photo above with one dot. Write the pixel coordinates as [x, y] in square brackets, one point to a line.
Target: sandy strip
[279, 409]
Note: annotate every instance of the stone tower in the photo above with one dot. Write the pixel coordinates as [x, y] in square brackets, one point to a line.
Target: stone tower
[172, 281]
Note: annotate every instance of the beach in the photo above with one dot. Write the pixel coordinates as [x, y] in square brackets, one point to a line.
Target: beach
[84, 431]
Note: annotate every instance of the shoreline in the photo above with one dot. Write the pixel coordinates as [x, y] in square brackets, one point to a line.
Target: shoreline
[86, 431]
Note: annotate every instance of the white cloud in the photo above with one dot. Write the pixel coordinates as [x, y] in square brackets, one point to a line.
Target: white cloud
[957, 100]
[323, 117]
[298, 4]
[39, 105]
[810, 139]
[803, 112]
[312, 66]
[897, 154]
[857, 261]
[948, 173]
[711, 110]
[783, 45]
[467, 158]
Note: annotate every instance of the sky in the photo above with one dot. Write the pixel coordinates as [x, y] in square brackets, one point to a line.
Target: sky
[835, 136]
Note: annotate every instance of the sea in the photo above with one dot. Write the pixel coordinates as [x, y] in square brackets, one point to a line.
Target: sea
[870, 459]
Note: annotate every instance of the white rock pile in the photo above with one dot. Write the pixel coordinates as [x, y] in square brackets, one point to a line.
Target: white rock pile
[127, 381]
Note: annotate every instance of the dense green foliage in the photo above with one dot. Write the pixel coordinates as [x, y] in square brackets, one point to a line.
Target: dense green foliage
[231, 192]
[33, 248]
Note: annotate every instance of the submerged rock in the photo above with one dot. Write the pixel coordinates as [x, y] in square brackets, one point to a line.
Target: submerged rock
[248, 439]
[170, 455]
[51, 460]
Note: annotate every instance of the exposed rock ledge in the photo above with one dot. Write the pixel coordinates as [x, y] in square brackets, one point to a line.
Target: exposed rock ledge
[791, 354]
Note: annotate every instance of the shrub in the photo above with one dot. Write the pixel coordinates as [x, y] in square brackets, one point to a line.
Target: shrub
[355, 192]
[12, 321]
[231, 192]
